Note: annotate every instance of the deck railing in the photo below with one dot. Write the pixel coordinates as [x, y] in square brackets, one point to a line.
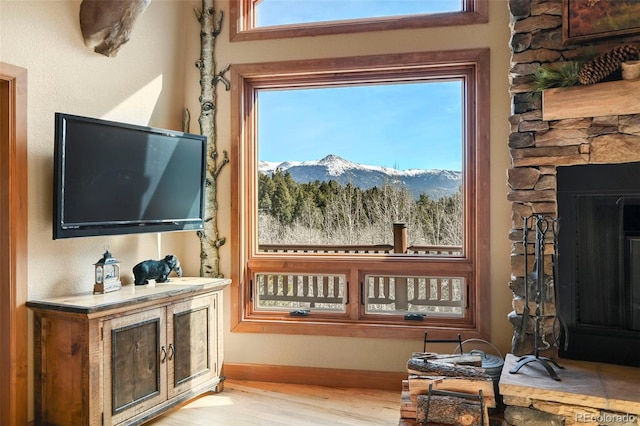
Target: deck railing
[434, 295]
[382, 293]
[400, 246]
[358, 249]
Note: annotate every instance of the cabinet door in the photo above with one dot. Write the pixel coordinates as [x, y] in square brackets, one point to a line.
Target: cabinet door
[191, 332]
[134, 364]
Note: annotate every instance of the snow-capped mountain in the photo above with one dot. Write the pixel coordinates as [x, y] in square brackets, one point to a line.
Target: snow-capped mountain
[435, 183]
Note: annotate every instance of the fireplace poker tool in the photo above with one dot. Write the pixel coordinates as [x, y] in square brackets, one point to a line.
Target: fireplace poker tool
[555, 259]
[541, 293]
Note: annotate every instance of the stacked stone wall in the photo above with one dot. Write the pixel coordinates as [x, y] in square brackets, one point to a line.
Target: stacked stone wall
[534, 412]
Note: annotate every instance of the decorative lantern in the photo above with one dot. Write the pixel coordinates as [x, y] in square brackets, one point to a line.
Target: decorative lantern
[107, 274]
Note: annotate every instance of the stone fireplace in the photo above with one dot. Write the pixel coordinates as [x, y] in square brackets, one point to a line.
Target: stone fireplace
[575, 158]
[543, 150]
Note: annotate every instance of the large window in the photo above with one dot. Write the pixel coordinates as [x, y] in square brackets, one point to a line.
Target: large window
[262, 19]
[362, 196]
[339, 165]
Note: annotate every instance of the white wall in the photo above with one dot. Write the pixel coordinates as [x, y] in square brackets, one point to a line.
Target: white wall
[144, 84]
[149, 82]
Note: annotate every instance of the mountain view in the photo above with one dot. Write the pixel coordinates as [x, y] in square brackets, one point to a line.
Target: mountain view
[333, 201]
[434, 183]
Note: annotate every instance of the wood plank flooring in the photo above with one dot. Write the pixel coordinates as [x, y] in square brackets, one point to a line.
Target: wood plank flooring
[248, 403]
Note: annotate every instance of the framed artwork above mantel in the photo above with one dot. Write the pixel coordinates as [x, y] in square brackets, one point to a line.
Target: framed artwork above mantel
[585, 20]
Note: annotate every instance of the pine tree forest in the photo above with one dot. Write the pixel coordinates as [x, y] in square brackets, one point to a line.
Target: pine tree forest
[329, 213]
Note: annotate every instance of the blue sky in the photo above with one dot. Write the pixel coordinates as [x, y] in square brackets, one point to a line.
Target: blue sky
[403, 126]
[280, 12]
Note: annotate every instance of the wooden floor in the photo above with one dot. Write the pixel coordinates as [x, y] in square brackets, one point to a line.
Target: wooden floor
[245, 403]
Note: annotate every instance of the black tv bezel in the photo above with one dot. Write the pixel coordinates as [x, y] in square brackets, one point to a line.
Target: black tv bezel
[60, 231]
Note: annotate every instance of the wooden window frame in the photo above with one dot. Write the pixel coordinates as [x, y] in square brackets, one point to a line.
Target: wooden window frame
[13, 245]
[473, 264]
[242, 22]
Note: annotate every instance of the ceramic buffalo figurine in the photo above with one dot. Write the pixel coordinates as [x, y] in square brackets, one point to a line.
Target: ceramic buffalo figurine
[157, 270]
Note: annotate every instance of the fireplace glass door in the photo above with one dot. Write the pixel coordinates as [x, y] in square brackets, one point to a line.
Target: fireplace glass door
[599, 262]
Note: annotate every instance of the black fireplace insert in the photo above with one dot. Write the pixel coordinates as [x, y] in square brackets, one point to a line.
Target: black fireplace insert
[598, 286]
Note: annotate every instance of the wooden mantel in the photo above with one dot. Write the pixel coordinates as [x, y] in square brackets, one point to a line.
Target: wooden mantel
[596, 100]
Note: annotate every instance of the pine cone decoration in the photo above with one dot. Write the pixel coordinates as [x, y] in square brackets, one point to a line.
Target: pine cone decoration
[607, 63]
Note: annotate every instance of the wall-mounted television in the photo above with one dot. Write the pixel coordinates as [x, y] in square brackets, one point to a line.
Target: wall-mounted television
[115, 178]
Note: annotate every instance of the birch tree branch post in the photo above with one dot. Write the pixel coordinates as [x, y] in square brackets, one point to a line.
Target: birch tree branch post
[210, 240]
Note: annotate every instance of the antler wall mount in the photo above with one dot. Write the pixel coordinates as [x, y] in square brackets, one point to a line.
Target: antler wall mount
[106, 24]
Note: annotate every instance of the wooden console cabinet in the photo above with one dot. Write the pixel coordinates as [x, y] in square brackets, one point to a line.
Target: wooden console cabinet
[125, 357]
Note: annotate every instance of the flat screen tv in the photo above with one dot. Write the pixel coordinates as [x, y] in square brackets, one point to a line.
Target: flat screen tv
[114, 178]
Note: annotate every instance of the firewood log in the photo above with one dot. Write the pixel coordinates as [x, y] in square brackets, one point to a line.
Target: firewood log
[419, 385]
[456, 359]
[407, 405]
[433, 368]
[450, 410]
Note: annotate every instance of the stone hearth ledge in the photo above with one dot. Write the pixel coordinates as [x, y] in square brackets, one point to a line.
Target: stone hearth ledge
[590, 385]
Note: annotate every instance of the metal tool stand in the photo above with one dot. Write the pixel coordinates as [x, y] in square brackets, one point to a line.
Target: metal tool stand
[432, 391]
[458, 341]
[542, 225]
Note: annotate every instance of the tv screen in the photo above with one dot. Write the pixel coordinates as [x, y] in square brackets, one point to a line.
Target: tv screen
[114, 178]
